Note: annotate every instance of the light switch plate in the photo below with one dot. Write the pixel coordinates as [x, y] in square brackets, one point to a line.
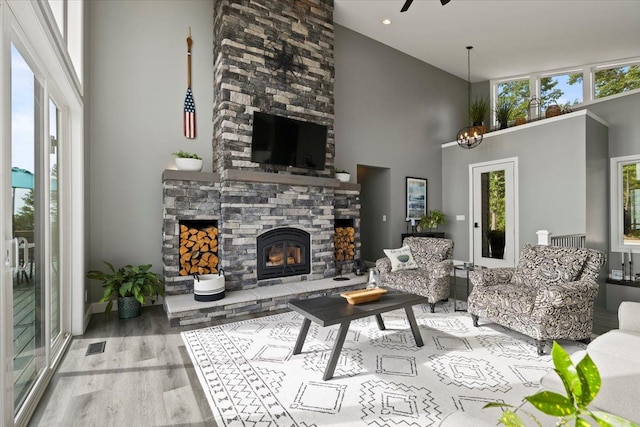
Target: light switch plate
[460, 218]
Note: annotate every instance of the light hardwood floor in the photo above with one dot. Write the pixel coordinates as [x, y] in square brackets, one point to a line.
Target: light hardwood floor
[143, 378]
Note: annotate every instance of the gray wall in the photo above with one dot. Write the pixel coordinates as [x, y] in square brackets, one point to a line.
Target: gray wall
[393, 111]
[551, 179]
[624, 138]
[138, 78]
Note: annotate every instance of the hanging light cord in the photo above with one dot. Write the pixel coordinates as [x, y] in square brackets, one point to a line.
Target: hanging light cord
[469, 82]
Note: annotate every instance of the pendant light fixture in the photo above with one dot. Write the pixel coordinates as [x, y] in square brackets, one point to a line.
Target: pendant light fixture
[469, 136]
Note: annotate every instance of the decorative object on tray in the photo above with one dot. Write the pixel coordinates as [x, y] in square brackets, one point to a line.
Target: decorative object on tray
[363, 295]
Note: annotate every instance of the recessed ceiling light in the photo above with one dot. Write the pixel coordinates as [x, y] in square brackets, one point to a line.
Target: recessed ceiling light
[386, 21]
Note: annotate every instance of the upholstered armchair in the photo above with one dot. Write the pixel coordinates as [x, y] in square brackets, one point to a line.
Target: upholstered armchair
[429, 276]
[548, 296]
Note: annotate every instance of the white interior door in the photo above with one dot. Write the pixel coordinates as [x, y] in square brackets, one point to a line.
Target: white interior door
[494, 225]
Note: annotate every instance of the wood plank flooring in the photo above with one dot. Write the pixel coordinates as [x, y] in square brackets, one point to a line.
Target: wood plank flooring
[144, 377]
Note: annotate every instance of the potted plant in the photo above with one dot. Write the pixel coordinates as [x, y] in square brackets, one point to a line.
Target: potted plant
[342, 175]
[187, 161]
[478, 110]
[432, 219]
[504, 110]
[131, 285]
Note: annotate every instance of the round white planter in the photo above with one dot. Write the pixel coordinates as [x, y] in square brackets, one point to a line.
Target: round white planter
[343, 177]
[189, 164]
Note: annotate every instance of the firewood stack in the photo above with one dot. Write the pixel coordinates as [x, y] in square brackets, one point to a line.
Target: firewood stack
[198, 249]
[344, 243]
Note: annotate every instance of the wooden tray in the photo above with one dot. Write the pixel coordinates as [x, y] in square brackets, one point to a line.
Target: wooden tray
[363, 295]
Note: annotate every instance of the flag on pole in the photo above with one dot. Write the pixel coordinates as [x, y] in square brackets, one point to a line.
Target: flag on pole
[189, 115]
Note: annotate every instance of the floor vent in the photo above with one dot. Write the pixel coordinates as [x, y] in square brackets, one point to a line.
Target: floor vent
[96, 348]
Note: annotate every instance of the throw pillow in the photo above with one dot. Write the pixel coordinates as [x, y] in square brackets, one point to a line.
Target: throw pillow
[401, 259]
[548, 264]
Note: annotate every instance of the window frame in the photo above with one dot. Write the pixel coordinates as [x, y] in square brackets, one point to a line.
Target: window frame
[616, 204]
[588, 82]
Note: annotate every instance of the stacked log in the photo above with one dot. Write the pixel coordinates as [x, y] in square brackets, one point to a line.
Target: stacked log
[198, 250]
[344, 243]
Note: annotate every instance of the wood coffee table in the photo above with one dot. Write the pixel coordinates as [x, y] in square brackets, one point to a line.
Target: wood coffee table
[334, 309]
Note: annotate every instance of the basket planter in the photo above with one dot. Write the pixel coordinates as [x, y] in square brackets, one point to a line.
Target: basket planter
[128, 307]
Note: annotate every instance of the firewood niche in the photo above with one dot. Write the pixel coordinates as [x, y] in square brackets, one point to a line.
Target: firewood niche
[198, 247]
[344, 241]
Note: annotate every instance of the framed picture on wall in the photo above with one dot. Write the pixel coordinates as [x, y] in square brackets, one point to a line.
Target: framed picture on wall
[416, 198]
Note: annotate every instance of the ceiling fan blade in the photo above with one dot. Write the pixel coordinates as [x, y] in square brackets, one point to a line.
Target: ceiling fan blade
[443, 2]
[406, 5]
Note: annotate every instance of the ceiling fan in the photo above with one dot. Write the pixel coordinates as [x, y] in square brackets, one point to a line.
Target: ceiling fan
[408, 3]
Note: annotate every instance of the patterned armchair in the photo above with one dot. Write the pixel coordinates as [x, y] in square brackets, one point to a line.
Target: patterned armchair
[548, 296]
[432, 278]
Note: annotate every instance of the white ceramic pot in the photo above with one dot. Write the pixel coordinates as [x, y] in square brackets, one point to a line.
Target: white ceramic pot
[343, 177]
[189, 164]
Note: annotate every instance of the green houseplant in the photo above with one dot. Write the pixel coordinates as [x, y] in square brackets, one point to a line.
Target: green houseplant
[582, 384]
[432, 219]
[504, 110]
[478, 110]
[131, 285]
[188, 161]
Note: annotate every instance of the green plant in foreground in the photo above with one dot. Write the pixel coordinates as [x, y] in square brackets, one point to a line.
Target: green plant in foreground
[186, 155]
[127, 281]
[582, 384]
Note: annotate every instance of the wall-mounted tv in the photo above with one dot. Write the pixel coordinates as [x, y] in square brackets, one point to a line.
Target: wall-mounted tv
[282, 141]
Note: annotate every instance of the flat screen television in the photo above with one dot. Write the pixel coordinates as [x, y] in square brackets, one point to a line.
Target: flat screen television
[282, 141]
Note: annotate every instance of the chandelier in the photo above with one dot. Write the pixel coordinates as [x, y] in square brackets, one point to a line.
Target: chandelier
[469, 136]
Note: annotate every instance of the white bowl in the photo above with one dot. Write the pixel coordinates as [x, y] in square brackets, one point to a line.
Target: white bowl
[343, 177]
[184, 164]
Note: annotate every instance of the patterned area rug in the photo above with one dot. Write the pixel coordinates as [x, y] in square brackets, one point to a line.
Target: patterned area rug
[251, 377]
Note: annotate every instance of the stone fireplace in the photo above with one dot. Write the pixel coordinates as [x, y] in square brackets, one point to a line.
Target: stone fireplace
[247, 200]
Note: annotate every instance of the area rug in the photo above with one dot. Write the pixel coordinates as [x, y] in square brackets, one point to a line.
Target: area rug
[251, 377]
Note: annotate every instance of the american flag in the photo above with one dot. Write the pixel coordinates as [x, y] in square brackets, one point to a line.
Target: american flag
[189, 116]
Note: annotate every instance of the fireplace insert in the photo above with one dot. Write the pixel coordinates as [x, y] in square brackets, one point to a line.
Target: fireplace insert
[283, 252]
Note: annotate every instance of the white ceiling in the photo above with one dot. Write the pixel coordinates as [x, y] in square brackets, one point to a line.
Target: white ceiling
[510, 37]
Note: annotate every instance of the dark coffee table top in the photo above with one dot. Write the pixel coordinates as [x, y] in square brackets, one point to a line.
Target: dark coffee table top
[334, 309]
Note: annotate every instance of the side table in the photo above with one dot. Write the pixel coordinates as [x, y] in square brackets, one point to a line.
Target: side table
[466, 267]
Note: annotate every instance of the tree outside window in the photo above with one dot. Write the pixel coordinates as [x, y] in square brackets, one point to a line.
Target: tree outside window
[518, 93]
[631, 203]
[616, 80]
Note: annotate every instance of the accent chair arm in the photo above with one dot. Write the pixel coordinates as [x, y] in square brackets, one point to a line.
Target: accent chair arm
[629, 316]
[491, 276]
[440, 269]
[566, 294]
[383, 265]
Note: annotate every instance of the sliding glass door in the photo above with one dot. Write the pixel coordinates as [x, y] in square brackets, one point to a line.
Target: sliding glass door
[28, 224]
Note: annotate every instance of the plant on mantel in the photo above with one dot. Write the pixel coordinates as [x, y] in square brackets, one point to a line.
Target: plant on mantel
[188, 161]
[582, 384]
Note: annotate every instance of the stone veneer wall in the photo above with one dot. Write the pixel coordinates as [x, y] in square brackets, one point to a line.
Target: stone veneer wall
[244, 80]
[246, 204]
[186, 196]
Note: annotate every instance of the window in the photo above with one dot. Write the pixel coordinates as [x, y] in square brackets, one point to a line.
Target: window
[564, 90]
[517, 93]
[612, 81]
[625, 203]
